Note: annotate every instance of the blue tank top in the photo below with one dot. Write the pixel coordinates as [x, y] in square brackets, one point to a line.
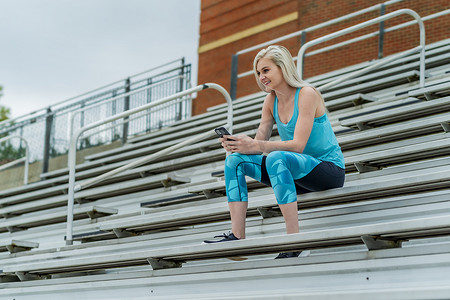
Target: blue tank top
[322, 143]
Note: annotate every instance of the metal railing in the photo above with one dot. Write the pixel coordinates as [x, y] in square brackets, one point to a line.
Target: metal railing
[46, 130]
[76, 135]
[72, 115]
[326, 38]
[234, 65]
[234, 59]
[25, 159]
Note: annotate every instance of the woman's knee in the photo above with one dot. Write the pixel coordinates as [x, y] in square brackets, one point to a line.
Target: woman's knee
[232, 161]
[275, 158]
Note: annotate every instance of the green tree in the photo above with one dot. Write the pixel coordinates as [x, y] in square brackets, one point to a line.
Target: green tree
[4, 111]
[7, 151]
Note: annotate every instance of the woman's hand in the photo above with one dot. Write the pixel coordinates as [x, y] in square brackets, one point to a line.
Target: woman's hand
[240, 143]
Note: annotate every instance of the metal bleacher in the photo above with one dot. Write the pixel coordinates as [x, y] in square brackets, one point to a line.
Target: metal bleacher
[386, 233]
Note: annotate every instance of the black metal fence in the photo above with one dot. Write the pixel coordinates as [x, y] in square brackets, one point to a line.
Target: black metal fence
[47, 131]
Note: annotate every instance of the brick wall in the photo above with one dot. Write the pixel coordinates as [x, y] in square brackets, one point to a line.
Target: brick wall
[227, 26]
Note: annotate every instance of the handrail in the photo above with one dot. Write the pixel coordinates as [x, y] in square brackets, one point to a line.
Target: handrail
[127, 120]
[328, 37]
[17, 161]
[77, 134]
[375, 33]
[74, 113]
[363, 37]
[234, 66]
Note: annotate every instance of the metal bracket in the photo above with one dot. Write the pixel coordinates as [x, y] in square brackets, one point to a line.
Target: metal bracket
[364, 167]
[27, 276]
[363, 126]
[98, 212]
[123, 233]
[12, 229]
[160, 263]
[268, 212]
[429, 96]
[15, 249]
[446, 126]
[210, 194]
[377, 243]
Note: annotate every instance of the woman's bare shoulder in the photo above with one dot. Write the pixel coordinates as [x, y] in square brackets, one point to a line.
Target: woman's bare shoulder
[309, 91]
[269, 100]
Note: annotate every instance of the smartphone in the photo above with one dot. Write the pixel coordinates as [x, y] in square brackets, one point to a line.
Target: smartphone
[221, 131]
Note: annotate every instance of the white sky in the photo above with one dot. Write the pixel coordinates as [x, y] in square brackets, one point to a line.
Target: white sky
[53, 50]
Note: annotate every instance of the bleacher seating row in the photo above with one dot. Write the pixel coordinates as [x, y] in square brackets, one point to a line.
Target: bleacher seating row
[140, 231]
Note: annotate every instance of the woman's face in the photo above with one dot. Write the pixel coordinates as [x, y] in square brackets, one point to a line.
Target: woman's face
[269, 74]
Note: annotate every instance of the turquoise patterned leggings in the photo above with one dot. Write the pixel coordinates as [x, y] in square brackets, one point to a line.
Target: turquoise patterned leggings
[288, 173]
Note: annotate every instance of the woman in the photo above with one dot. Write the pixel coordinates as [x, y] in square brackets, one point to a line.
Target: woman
[308, 157]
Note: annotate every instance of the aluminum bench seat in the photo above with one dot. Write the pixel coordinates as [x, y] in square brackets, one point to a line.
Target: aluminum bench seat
[170, 163]
[20, 204]
[253, 125]
[376, 235]
[217, 186]
[436, 49]
[33, 186]
[137, 150]
[192, 129]
[14, 246]
[55, 216]
[349, 101]
[397, 280]
[402, 113]
[350, 192]
[396, 184]
[180, 198]
[181, 132]
[169, 141]
[432, 91]
[83, 166]
[411, 64]
[328, 216]
[374, 157]
[375, 85]
[406, 129]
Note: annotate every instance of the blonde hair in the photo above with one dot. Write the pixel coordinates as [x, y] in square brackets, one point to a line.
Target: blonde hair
[281, 57]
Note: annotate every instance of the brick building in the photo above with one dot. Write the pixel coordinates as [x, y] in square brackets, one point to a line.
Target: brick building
[228, 26]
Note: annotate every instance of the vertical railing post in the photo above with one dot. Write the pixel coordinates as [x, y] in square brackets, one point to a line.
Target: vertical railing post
[234, 76]
[149, 114]
[179, 112]
[47, 138]
[113, 112]
[126, 106]
[381, 34]
[83, 143]
[303, 38]
[302, 42]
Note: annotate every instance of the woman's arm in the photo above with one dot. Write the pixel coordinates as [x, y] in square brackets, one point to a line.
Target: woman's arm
[264, 129]
[309, 103]
[266, 125]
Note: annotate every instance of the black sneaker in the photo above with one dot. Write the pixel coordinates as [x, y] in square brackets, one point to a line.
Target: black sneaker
[225, 238]
[288, 254]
